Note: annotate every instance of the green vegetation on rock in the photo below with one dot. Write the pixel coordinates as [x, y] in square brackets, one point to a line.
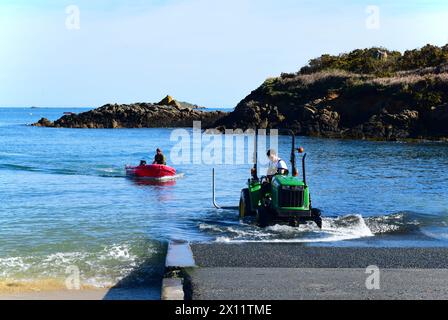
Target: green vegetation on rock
[365, 94]
[380, 61]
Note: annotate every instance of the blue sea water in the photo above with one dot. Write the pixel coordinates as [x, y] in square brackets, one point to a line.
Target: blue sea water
[65, 199]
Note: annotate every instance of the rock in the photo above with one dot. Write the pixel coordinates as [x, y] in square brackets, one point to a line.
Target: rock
[332, 95]
[44, 122]
[169, 101]
[167, 113]
[328, 121]
[115, 124]
[308, 112]
[439, 121]
[341, 105]
[166, 101]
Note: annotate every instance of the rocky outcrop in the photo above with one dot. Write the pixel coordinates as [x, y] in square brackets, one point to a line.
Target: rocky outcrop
[337, 104]
[44, 122]
[166, 113]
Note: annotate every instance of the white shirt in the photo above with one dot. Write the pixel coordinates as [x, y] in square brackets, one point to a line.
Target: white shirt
[274, 166]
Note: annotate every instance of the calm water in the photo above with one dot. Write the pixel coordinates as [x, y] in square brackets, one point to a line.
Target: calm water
[64, 199]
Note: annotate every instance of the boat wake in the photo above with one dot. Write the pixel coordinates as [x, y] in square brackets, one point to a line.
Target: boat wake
[159, 179]
[79, 169]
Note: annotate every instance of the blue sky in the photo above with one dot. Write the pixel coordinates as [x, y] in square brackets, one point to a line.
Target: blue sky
[209, 52]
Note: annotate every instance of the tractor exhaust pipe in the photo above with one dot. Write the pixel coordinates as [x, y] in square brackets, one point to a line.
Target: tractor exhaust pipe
[293, 158]
[304, 169]
[293, 154]
[255, 168]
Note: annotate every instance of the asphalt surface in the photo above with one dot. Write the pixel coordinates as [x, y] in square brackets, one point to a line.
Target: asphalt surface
[262, 271]
[317, 284]
[283, 255]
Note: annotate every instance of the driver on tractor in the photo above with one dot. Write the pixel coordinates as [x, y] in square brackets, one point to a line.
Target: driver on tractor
[276, 165]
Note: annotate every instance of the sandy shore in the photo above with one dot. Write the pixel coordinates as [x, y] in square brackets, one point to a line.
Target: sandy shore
[98, 294]
[55, 289]
[85, 294]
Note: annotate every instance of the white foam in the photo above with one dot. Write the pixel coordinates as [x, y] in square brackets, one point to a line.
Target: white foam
[204, 226]
[63, 257]
[12, 263]
[109, 170]
[339, 229]
[101, 268]
[117, 251]
[11, 154]
[239, 233]
[390, 223]
[160, 179]
[169, 178]
[282, 228]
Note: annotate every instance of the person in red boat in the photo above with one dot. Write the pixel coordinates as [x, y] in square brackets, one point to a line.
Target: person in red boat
[159, 158]
[157, 169]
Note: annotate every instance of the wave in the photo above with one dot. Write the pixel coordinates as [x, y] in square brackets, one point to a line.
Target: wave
[10, 154]
[334, 229]
[98, 268]
[406, 222]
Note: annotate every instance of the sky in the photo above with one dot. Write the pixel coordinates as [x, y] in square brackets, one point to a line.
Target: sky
[86, 53]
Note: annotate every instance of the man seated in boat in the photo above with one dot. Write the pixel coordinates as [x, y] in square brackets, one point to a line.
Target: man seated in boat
[159, 158]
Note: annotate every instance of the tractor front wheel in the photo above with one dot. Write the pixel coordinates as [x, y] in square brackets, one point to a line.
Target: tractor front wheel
[263, 217]
[244, 207]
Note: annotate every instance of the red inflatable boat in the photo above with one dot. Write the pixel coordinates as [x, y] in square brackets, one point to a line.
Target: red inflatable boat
[154, 171]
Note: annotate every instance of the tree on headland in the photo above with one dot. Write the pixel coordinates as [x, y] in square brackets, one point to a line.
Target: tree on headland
[428, 56]
[379, 61]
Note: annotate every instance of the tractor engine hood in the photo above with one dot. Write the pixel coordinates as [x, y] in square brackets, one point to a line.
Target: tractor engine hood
[287, 181]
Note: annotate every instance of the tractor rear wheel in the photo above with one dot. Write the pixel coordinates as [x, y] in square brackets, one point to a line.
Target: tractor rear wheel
[244, 207]
[263, 217]
[316, 214]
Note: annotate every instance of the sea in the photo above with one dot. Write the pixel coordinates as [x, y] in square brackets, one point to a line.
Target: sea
[66, 203]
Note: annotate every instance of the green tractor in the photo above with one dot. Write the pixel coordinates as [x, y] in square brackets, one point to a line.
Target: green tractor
[281, 198]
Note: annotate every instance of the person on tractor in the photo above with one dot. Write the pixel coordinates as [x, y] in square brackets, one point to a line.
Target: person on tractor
[159, 158]
[276, 164]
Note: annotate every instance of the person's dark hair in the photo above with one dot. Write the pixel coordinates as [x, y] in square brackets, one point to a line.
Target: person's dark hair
[158, 150]
[271, 151]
